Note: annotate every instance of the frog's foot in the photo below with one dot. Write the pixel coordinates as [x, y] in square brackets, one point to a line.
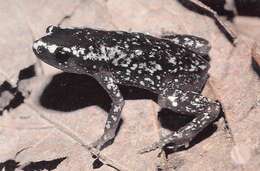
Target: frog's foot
[150, 148]
[190, 103]
[100, 144]
[172, 141]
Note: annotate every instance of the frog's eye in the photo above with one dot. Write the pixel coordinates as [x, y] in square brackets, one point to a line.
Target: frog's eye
[40, 49]
[50, 29]
[61, 55]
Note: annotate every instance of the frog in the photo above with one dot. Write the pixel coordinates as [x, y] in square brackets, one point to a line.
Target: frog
[173, 66]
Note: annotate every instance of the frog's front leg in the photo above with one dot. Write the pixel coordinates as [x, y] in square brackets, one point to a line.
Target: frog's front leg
[188, 103]
[107, 81]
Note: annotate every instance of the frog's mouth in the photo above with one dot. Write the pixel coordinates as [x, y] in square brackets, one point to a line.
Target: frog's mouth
[44, 52]
[47, 54]
[40, 46]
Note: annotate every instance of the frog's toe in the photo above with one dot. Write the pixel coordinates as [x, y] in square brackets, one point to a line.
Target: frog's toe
[150, 148]
[103, 141]
[165, 143]
[94, 149]
[97, 144]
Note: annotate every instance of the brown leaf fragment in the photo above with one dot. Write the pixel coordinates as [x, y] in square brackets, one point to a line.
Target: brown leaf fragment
[200, 7]
[52, 131]
[13, 96]
[9, 165]
[42, 165]
[256, 58]
[5, 99]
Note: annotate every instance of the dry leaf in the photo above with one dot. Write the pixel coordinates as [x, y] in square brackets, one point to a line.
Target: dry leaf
[50, 127]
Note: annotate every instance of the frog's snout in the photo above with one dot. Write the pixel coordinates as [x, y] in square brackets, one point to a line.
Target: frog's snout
[38, 47]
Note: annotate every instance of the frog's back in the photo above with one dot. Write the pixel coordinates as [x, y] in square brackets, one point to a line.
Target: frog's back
[149, 62]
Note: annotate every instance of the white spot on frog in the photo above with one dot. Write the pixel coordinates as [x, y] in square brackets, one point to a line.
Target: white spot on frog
[173, 100]
[110, 86]
[188, 42]
[176, 40]
[117, 94]
[149, 80]
[203, 67]
[173, 60]
[91, 48]
[138, 52]
[133, 67]
[158, 66]
[91, 56]
[77, 51]
[126, 46]
[50, 48]
[114, 117]
[142, 65]
[142, 83]
[108, 125]
[66, 49]
[198, 44]
[192, 68]
[112, 52]
[116, 109]
[125, 62]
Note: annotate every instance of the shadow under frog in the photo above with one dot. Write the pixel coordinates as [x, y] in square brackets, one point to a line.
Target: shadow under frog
[68, 92]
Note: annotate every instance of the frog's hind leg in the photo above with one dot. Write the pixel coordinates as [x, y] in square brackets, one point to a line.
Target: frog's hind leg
[193, 43]
[187, 103]
[195, 86]
[198, 86]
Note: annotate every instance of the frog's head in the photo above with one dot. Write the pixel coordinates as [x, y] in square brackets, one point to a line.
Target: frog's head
[60, 48]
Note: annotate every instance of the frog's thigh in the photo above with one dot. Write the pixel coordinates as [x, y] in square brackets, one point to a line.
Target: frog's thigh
[195, 86]
[188, 103]
[199, 85]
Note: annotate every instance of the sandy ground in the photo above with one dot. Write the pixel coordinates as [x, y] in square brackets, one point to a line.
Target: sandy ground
[59, 112]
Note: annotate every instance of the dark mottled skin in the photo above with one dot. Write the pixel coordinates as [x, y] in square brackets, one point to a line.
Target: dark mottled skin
[171, 66]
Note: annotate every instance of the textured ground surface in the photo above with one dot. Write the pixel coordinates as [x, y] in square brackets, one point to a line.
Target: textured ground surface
[62, 111]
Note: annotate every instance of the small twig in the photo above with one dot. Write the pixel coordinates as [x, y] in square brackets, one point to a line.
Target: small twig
[255, 53]
[71, 14]
[20, 151]
[162, 155]
[26, 128]
[227, 127]
[228, 31]
[163, 162]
